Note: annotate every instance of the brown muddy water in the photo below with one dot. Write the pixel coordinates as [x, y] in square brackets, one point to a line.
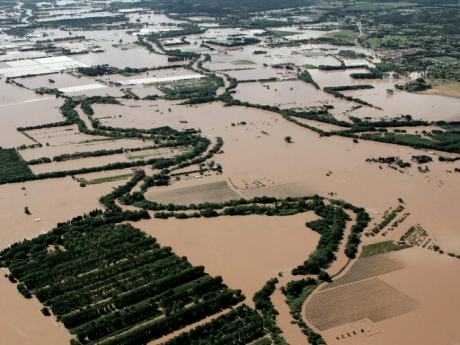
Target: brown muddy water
[245, 250]
[319, 165]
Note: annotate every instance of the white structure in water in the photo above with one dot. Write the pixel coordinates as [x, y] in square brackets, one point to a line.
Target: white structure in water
[46, 65]
[154, 80]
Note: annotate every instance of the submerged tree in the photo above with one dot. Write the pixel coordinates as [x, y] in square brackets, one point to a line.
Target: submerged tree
[288, 139]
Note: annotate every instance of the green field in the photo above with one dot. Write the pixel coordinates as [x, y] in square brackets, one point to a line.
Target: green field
[445, 59]
[283, 33]
[242, 62]
[381, 248]
[109, 179]
[343, 37]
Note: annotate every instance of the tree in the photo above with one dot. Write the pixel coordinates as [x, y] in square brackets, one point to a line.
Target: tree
[288, 139]
[324, 276]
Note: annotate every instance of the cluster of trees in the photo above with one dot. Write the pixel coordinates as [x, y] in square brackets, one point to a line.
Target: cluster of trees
[222, 8]
[422, 159]
[296, 293]
[101, 70]
[185, 29]
[49, 91]
[98, 70]
[374, 73]
[387, 219]
[361, 223]
[265, 306]
[201, 89]
[445, 141]
[340, 67]
[13, 166]
[85, 22]
[240, 326]
[44, 125]
[391, 160]
[336, 91]
[306, 77]
[331, 227]
[419, 84]
[448, 159]
[261, 206]
[41, 160]
[235, 41]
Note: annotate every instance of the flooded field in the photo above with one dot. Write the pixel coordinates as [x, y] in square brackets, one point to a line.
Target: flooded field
[246, 251]
[82, 146]
[68, 201]
[22, 322]
[289, 95]
[420, 106]
[26, 113]
[303, 163]
[417, 263]
[64, 135]
[82, 163]
[196, 194]
[131, 56]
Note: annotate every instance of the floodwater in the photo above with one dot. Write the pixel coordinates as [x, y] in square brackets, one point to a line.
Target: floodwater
[319, 165]
[337, 78]
[57, 80]
[134, 56]
[430, 107]
[245, 250]
[31, 112]
[49, 201]
[288, 95]
[419, 106]
[21, 321]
